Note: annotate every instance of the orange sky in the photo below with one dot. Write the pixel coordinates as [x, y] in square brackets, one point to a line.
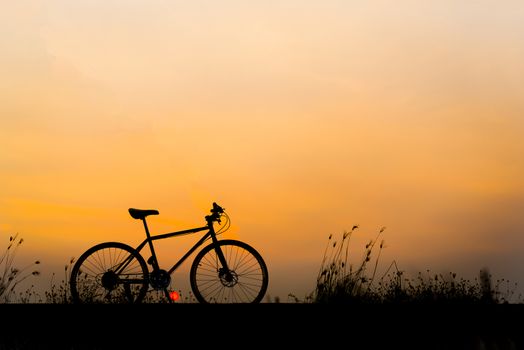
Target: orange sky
[301, 118]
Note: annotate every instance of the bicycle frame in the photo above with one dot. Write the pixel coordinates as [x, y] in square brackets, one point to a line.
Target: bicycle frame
[150, 238]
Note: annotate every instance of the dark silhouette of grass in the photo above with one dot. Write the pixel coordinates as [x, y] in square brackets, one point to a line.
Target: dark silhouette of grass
[339, 281]
[60, 293]
[12, 276]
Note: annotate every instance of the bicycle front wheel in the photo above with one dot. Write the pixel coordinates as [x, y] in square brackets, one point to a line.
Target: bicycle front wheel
[244, 281]
[110, 272]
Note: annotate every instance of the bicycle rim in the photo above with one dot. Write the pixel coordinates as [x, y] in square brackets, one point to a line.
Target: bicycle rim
[110, 272]
[246, 281]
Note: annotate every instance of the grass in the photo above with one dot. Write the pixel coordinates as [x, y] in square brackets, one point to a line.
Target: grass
[59, 292]
[339, 281]
[12, 276]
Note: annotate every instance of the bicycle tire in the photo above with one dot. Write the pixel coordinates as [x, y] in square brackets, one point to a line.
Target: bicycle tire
[92, 279]
[250, 273]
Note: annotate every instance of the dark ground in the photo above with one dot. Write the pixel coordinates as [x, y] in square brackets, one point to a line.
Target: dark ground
[273, 325]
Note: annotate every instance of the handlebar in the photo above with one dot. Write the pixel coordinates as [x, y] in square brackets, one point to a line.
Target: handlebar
[216, 212]
[217, 209]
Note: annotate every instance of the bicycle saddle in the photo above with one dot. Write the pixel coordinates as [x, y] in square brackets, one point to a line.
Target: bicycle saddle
[141, 214]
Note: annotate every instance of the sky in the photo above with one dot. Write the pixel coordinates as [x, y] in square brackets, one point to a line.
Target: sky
[301, 118]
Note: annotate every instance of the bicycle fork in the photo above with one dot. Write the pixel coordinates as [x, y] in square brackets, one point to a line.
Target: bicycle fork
[227, 277]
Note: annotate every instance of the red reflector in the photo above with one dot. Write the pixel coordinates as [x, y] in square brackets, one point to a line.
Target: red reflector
[174, 296]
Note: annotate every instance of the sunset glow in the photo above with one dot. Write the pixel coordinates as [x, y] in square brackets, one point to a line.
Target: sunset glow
[300, 118]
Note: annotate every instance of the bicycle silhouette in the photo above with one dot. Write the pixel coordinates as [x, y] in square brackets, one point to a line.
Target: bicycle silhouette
[224, 271]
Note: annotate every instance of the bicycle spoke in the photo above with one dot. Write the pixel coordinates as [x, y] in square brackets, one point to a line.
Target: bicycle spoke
[244, 279]
[95, 276]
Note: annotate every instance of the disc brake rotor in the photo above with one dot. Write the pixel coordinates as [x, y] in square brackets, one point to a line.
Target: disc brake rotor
[228, 278]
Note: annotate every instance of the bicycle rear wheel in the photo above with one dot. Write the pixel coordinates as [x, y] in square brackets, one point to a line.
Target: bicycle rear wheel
[245, 281]
[110, 272]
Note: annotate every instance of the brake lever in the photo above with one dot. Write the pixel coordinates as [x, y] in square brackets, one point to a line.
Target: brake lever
[217, 208]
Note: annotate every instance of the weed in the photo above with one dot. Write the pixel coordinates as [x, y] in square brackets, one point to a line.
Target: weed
[339, 282]
[11, 276]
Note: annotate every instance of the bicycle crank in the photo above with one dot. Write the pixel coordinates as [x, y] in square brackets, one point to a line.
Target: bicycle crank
[159, 279]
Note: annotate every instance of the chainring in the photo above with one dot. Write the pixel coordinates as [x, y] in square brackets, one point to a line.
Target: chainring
[159, 279]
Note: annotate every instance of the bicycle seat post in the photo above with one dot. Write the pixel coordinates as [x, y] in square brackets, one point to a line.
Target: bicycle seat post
[154, 261]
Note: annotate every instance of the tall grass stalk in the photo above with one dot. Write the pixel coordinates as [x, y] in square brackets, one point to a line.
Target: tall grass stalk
[340, 282]
[11, 276]
[60, 293]
[337, 279]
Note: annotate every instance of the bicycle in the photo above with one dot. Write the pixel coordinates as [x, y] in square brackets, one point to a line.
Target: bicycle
[224, 271]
